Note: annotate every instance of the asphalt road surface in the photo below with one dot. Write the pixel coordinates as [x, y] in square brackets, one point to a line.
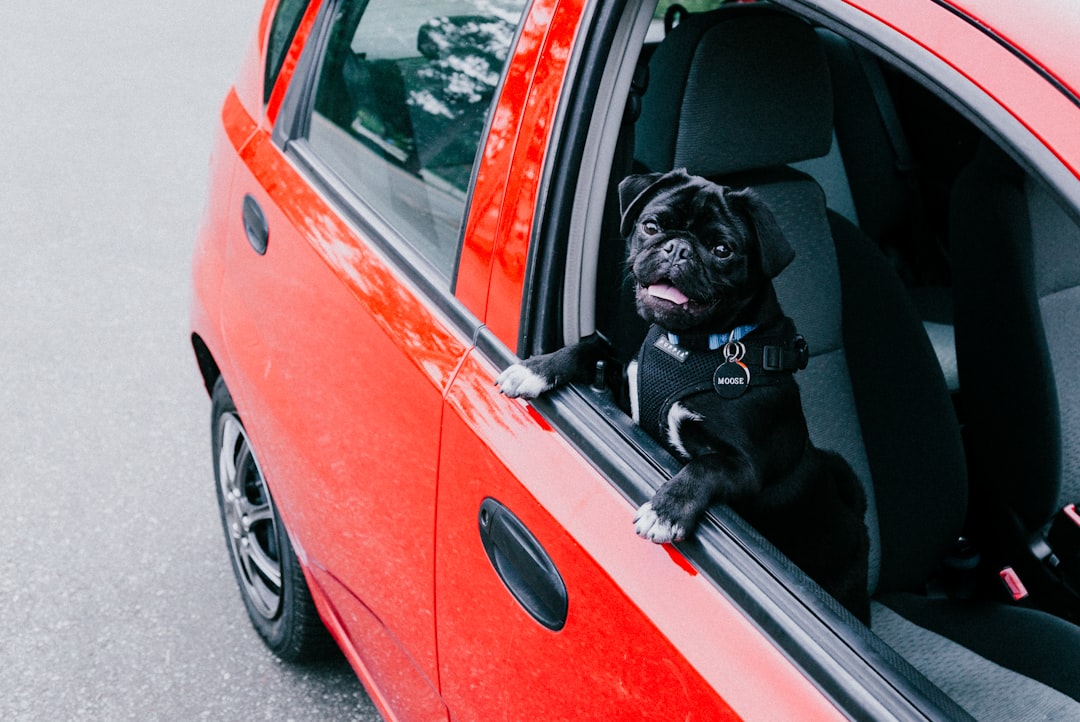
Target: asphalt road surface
[116, 598]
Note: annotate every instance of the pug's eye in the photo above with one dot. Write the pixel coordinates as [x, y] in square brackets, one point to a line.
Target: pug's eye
[722, 250]
[650, 227]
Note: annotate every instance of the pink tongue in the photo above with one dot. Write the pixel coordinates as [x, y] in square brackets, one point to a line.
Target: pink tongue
[668, 293]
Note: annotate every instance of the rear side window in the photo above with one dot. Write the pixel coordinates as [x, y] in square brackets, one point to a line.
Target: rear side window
[400, 105]
[286, 20]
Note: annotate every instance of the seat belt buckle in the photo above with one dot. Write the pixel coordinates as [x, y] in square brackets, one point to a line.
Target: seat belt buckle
[1064, 534]
[1013, 584]
[1063, 538]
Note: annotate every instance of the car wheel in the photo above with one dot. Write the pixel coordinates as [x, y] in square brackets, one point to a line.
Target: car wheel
[267, 571]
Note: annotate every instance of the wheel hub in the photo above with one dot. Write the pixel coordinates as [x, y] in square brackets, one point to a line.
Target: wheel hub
[249, 519]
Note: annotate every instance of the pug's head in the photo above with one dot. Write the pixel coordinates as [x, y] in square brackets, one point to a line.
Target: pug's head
[700, 253]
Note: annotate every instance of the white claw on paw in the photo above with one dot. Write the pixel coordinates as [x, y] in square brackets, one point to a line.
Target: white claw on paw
[649, 525]
[518, 381]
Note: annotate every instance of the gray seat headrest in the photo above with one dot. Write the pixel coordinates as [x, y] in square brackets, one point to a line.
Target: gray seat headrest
[736, 89]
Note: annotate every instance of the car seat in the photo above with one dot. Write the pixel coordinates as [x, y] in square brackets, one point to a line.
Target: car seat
[1017, 294]
[738, 94]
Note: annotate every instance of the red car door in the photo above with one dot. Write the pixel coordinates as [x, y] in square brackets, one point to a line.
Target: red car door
[548, 605]
[514, 497]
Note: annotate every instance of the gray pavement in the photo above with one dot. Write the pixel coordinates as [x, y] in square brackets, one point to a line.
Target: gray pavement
[116, 600]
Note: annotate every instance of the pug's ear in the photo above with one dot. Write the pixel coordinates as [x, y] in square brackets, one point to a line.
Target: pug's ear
[633, 196]
[636, 191]
[776, 252]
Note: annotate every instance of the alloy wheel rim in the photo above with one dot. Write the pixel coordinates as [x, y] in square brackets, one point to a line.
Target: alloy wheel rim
[250, 523]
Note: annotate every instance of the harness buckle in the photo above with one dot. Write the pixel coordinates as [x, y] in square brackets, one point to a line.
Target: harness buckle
[802, 353]
[789, 357]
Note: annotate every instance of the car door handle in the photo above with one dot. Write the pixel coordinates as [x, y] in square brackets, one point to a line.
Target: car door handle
[256, 228]
[523, 565]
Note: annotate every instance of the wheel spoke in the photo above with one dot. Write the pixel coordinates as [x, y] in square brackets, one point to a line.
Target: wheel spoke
[256, 514]
[267, 567]
[231, 432]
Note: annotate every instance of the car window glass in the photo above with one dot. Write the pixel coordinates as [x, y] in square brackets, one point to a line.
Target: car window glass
[693, 6]
[400, 107]
[286, 20]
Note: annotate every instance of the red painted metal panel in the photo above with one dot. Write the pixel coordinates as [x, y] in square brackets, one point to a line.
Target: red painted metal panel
[496, 181]
[288, 67]
[208, 256]
[1047, 113]
[645, 636]
[545, 50]
[389, 673]
[1046, 32]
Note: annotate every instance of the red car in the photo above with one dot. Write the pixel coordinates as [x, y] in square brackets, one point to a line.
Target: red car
[407, 196]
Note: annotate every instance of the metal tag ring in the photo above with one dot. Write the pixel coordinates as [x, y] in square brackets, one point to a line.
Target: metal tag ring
[734, 351]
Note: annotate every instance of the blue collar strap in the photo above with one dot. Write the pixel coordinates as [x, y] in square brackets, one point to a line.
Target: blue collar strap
[717, 340]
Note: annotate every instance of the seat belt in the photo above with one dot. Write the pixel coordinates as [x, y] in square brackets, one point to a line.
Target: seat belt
[890, 119]
[922, 238]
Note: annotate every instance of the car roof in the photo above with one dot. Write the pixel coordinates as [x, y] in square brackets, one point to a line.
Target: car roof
[1044, 32]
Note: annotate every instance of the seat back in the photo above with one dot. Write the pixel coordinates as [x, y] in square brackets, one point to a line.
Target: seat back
[736, 95]
[1017, 288]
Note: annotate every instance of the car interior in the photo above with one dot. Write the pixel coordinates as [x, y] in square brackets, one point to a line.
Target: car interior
[936, 280]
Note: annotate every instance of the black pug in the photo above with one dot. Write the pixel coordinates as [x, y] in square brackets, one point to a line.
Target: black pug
[713, 381]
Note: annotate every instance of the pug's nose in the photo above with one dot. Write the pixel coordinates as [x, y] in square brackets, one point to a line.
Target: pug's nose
[677, 250]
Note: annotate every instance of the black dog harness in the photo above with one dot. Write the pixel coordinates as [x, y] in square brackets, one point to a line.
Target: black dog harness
[671, 369]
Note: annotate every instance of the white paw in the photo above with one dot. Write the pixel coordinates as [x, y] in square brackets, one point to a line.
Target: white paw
[518, 381]
[649, 525]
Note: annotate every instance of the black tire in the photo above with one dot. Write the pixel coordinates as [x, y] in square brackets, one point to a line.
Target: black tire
[267, 571]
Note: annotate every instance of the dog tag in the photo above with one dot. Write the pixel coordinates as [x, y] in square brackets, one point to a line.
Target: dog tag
[731, 379]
